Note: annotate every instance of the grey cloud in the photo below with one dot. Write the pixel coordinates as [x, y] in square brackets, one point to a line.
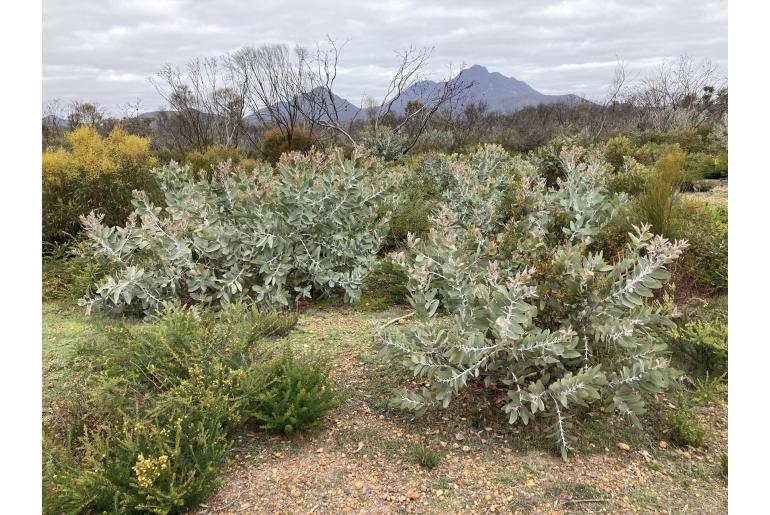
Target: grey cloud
[104, 51]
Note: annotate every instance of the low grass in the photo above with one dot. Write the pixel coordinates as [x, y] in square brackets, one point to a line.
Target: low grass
[425, 456]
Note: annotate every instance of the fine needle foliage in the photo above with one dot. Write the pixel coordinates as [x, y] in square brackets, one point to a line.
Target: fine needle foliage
[152, 409]
[549, 326]
[311, 227]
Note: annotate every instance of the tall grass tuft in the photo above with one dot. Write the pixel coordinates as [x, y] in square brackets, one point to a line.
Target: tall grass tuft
[657, 202]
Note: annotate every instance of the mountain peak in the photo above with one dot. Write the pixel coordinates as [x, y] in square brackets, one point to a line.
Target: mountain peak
[500, 93]
[477, 68]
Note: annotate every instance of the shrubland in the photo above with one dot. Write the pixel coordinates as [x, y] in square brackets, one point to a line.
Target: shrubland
[150, 409]
[536, 282]
[543, 278]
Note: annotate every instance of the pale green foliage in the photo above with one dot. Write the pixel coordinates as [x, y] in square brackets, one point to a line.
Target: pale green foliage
[657, 203]
[551, 325]
[479, 181]
[434, 139]
[718, 134]
[384, 143]
[583, 195]
[631, 177]
[313, 226]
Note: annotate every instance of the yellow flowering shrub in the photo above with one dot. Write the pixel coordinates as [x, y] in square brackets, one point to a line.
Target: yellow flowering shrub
[148, 469]
[91, 172]
[163, 402]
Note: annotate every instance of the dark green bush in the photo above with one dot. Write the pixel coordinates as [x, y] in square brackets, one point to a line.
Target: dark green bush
[298, 395]
[427, 177]
[616, 149]
[650, 153]
[385, 285]
[689, 139]
[137, 465]
[612, 239]
[686, 429]
[150, 427]
[700, 346]
[704, 265]
[204, 163]
[715, 167]
[68, 274]
[631, 178]
[547, 159]
[411, 216]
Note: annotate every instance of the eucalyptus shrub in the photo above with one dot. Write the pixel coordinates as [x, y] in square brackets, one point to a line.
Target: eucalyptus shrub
[477, 186]
[312, 226]
[549, 325]
[384, 143]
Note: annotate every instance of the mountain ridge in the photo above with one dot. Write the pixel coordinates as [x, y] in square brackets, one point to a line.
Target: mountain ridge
[500, 93]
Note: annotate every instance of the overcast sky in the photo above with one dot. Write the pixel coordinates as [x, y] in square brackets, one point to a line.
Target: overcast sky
[104, 51]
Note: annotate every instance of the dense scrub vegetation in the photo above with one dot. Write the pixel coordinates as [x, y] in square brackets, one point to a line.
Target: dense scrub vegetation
[535, 315]
[536, 279]
[314, 225]
[149, 410]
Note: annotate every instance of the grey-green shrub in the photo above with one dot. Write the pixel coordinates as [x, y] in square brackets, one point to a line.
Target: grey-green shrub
[312, 227]
[384, 143]
[551, 325]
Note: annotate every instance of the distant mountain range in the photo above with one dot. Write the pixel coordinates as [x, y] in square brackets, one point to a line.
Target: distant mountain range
[501, 94]
[505, 94]
[346, 111]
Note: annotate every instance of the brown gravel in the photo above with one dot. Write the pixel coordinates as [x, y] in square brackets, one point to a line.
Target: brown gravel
[361, 461]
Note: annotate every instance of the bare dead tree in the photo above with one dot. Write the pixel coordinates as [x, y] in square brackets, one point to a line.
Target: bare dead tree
[432, 97]
[409, 71]
[322, 104]
[407, 91]
[187, 118]
[131, 119]
[207, 100]
[672, 96]
[53, 122]
[613, 97]
[276, 83]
